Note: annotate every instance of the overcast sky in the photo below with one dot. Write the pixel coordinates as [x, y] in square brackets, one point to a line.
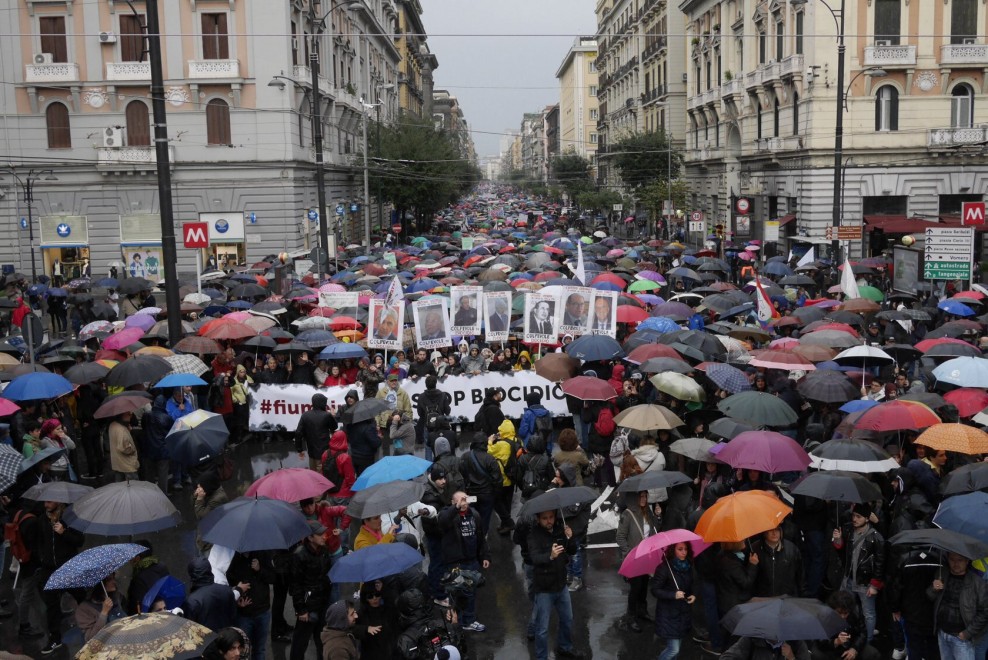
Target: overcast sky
[499, 77]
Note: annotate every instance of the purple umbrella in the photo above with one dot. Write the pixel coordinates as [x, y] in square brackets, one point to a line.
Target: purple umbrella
[143, 321]
[766, 451]
[674, 310]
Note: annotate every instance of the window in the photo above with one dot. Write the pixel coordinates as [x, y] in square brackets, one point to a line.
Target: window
[775, 119]
[593, 138]
[52, 30]
[762, 46]
[710, 77]
[215, 40]
[593, 66]
[294, 44]
[131, 38]
[57, 121]
[888, 20]
[594, 114]
[963, 21]
[962, 106]
[887, 109]
[795, 114]
[593, 90]
[779, 40]
[799, 33]
[138, 125]
[697, 72]
[758, 119]
[218, 122]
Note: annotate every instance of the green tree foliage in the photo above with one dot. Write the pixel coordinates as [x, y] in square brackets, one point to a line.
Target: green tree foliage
[598, 200]
[642, 158]
[653, 195]
[417, 168]
[571, 172]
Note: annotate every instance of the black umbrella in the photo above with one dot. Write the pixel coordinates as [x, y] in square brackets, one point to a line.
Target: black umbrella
[86, 372]
[293, 348]
[138, 369]
[930, 399]
[133, 285]
[943, 539]
[809, 314]
[727, 428]
[784, 619]
[965, 479]
[902, 353]
[758, 408]
[663, 364]
[363, 410]
[851, 455]
[384, 498]
[652, 479]
[827, 387]
[255, 523]
[248, 291]
[260, 343]
[560, 498]
[837, 485]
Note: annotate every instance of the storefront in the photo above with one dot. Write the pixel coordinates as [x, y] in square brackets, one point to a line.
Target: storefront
[227, 245]
[64, 246]
[140, 246]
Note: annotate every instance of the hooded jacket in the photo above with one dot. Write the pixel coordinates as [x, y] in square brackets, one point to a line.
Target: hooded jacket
[314, 427]
[338, 447]
[489, 417]
[403, 431]
[473, 364]
[337, 642]
[480, 470]
[157, 423]
[502, 448]
[451, 463]
[210, 604]
[650, 459]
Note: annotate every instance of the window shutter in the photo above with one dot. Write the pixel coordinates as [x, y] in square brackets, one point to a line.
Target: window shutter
[57, 122]
[138, 125]
[894, 110]
[53, 37]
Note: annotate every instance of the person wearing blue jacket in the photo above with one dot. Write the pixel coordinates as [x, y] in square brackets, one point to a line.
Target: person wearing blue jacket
[528, 424]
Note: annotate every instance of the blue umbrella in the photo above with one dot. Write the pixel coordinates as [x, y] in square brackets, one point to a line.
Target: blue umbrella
[169, 589]
[659, 324]
[728, 378]
[197, 437]
[956, 308]
[777, 268]
[89, 567]
[606, 286]
[36, 289]
[858, 405]
[340, 351]
[58, 293]
[215, 294]
[964, 514]
[108, 283]
[961, 371]
[255, 523]
[48, 453]
[214, 310]
[375, 562]
[392, 468]
[37, 386]
[239, 304]
[595, 347]
[316, 338]
[181, 380]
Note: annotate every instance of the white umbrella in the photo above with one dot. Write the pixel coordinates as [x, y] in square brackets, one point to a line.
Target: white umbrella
[197, 298]
[861, 356]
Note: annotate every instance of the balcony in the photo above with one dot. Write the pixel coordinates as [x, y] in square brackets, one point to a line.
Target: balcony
[791, 66]
[654, 48]
[61, 72]
[964, 55]
[128, 71]
[948, 138]
[890, 56]
[653, 94]
[734, 87]
[695, 155]
[130, 159]
[753, 79]
[214, 69]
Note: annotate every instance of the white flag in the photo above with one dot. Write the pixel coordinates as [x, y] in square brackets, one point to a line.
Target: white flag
[395, 294]
[581, 270]
[848, 284]
[807, 258]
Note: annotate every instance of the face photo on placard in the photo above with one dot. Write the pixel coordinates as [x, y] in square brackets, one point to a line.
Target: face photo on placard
[540, 318]
[431, 324]
[465, 310]
[497, 315]
[576, 310]
[385, 325]
[603, 313]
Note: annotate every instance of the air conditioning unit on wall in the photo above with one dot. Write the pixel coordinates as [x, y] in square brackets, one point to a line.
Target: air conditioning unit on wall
[113, 137]
[44, 58]
[107, 38]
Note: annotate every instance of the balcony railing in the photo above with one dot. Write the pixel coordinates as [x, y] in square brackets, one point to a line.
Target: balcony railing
[128, 71]
[654, 48]
[61, 72]
[946, 138]
[888, 56]
[213, 69]
[735, 86]
[963, 54]
[130, 158]
[791, 65]
[653, 94]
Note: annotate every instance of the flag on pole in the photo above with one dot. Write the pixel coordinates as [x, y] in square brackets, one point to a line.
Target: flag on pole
[848, 284]
[581, 270]
[807, 258]
[766, 310]
[395, 294]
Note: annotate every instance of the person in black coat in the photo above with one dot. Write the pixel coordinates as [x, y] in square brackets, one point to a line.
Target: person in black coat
[482, 475]
[313, 431]
[147, 570]
[735, 576]
[364, 441]
[434, 500]
[780, 566]
[550, 546]
[302, 371]
[489, 417]
[210, 604]
[309, 586]
[157, 423]
[377, 622]
[254, 615]
[430, 402]
[672, 586]
[464, 547]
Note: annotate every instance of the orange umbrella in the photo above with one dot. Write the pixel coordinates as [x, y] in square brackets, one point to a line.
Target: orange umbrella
[160, 351]
[352, 335]
[741, 515]
[860, 306]
[961, 438]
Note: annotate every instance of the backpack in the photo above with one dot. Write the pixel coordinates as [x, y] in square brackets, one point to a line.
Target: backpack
[331, 470]
[543, 429]
[533, 477]
[511, 466]
[12, 534]
[434, 418]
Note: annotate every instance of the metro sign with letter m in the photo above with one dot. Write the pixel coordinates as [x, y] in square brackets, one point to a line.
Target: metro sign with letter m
[973, 213]
[195, 234]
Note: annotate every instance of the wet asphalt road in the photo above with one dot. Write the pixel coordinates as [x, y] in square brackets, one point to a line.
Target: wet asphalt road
[502, 604]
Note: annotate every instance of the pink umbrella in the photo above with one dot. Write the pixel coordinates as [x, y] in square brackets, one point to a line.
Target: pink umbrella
[332, 286]
[8, 407]
[123, 339]
[648, 555]
[784, 342]
[746, 256]
[143, 321]
[766, 451]
[290, 485]
[238, 316]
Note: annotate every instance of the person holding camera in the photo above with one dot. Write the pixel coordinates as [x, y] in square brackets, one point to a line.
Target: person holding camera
[550, 547]
[464, 548]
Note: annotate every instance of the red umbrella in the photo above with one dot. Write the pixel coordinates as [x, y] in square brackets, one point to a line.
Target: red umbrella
[631, 314]
[290, 485]
[968, 400]
[897, 416]
[344, 323]
[842, 327]
[779, 359]
[766, 451]
[589, 388]
[927, 344]
[610, 278]
[649, 351]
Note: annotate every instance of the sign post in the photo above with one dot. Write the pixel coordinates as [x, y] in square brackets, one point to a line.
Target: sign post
[195, 235]
[949, 253]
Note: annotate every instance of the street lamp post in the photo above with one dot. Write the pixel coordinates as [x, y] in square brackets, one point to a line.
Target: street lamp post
[28, 185]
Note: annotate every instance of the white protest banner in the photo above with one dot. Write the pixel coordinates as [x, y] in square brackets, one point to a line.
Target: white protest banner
[385, 324]
[431, 324]
[465, 310]
[603, 313]
[497, 315]
[344, 302]
[274, 406]
[540, 319]
[576, 304]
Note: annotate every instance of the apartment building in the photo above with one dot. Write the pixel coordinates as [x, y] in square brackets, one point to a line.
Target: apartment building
[447, 115]
[533, 149]
[417, 63]
[762, 107]
[578, 109]
[238, 89]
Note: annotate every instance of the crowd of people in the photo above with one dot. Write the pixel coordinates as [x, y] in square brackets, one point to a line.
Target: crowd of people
[654, 437]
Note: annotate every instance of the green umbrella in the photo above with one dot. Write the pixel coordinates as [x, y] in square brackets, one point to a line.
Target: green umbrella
[418, 240]
[644, 285]
[871, 293]
[759, 408]
[586, 239]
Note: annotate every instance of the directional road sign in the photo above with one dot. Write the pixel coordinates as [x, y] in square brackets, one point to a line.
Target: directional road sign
[949, 253]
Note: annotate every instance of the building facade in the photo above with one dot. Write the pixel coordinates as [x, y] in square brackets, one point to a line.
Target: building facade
[417, 63]
[238, 112]
[762, 106]
[578, 109]
[533, 148]
[447, 115]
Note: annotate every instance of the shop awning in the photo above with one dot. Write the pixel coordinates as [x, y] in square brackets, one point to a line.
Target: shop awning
[786, 219]
[900, 224]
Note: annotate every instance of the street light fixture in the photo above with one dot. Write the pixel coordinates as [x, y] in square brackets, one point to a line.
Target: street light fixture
[28, 185]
